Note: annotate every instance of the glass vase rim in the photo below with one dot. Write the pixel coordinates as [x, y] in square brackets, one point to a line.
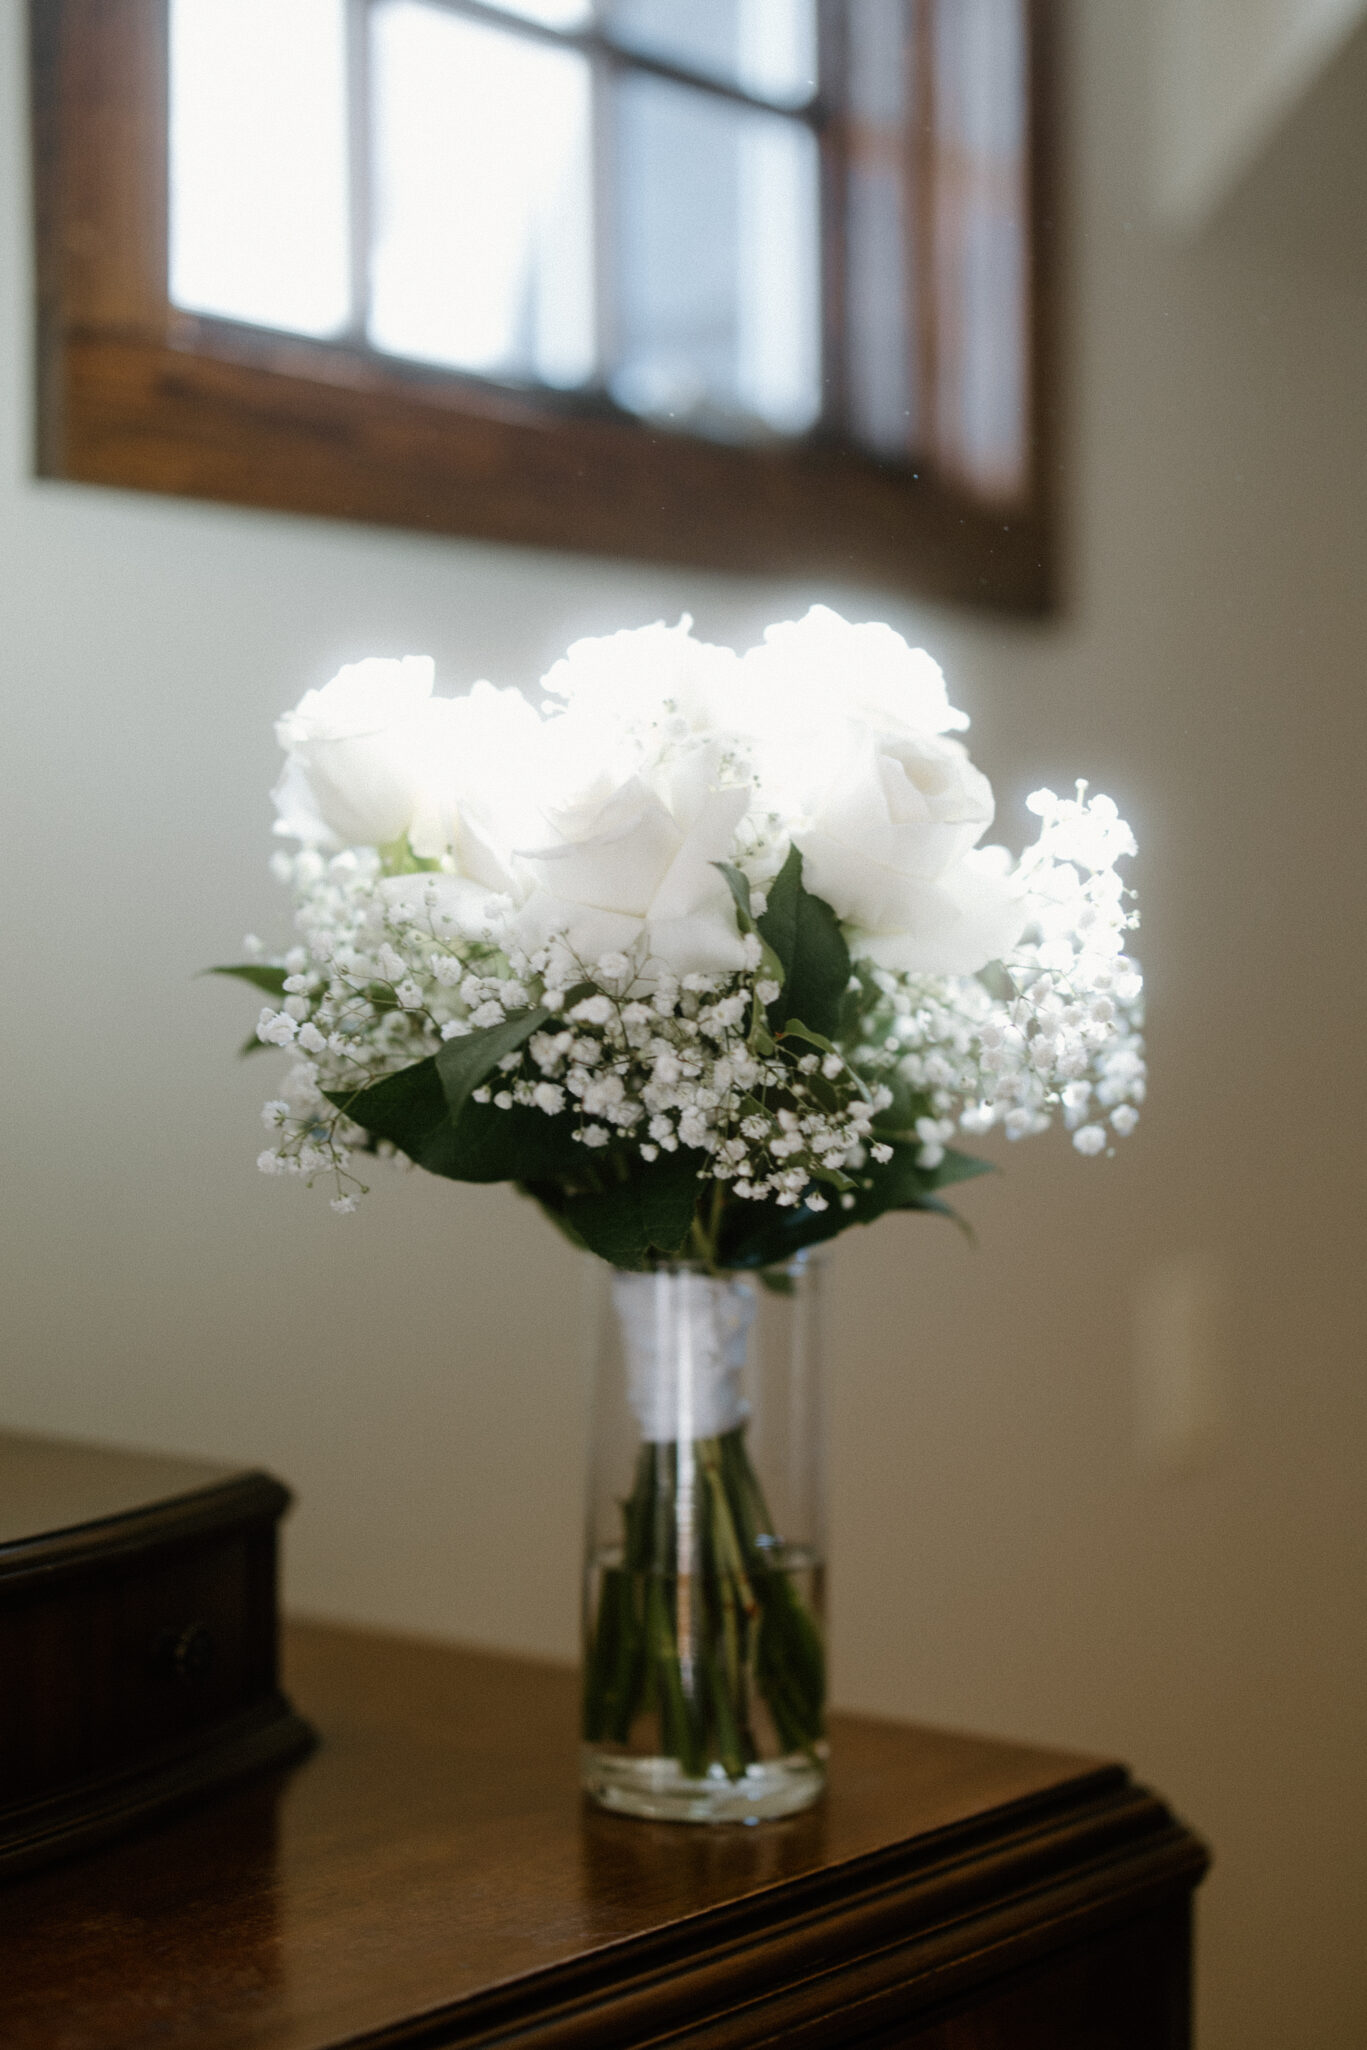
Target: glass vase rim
[796, 1265]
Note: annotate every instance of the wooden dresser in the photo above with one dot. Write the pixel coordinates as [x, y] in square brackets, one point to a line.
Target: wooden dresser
[429, 1877]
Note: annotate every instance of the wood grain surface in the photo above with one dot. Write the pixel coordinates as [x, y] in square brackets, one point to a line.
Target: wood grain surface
[431, 1877]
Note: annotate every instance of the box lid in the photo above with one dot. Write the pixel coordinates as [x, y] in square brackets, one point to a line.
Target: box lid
[65, 1506]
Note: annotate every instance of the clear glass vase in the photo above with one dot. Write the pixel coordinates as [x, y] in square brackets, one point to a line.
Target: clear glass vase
[704, 1660]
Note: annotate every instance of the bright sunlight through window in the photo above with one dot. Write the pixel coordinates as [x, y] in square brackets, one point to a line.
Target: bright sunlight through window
[623, 199]
[259, 226]
[483, 240]
[527, 202]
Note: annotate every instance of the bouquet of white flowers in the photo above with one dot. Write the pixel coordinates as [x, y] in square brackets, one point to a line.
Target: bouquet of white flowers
[705, 955]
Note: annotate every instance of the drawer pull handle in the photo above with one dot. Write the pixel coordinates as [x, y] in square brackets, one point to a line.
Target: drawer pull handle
[186, 1654]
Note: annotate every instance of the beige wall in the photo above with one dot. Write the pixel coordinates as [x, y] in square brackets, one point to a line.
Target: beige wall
[1005, 1559]
[1227, 73]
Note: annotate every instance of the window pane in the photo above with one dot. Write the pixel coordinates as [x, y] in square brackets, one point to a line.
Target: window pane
[483, 253]
[716, 261]
[880, 272]
[561, 14]
[766, 46]
[981, 248]
[258, 162]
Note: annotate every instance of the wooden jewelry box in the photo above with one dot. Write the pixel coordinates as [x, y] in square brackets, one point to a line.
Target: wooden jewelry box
[137, 1640]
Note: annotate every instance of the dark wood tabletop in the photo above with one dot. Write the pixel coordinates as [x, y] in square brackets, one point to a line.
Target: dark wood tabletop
[430, 1876]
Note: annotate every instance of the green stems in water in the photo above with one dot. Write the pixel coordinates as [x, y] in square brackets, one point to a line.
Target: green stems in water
[702, 1618]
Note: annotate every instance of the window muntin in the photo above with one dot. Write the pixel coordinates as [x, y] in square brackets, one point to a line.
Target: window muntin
[557, 14]
[539, 209]
[980, 243]
[764, 47]
[881, 228]
[135, 391]
[716, 244]
[596, 199]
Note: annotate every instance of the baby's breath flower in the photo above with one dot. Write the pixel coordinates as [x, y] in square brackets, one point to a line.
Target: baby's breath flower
[275, 1028]
[654, 1057]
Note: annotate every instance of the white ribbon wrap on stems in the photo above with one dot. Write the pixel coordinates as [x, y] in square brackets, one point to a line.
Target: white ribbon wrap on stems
[684, 1337]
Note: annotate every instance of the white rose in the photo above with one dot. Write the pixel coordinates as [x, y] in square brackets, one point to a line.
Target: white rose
[630, 868]
[655, 681]
[822, 667]
[361, 754]
[892, 847]
[813, 682]
[490, 761]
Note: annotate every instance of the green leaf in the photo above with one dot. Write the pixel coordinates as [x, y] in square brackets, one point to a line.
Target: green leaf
[760, 1039]
[739, 886]
[958, 1167]
[650, 1213]
[515, 1145]
[805, 935]
[553, 1216]
[483, 1144]
[795, 1029]
[763, 1235]
[258, 973]
[769, 1237]
[408, 1108]
[770, 967]
[777, 923]
[464, 1063]
[899, 1184]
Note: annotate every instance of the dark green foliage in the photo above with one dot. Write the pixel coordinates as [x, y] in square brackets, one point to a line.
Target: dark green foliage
[647, 1214]
[619, 1206]
[259, 974]
[427, 1111]
[412, 1111]
[807, 942]
[763, 1235]
[464, 1063]
[517, 1145]
[409, 1109]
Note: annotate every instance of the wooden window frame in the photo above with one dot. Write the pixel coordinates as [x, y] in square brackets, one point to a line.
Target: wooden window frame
[134, 393]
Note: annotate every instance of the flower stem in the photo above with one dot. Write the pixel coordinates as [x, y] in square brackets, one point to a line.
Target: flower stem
[681, 1651]
[705, 1235]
